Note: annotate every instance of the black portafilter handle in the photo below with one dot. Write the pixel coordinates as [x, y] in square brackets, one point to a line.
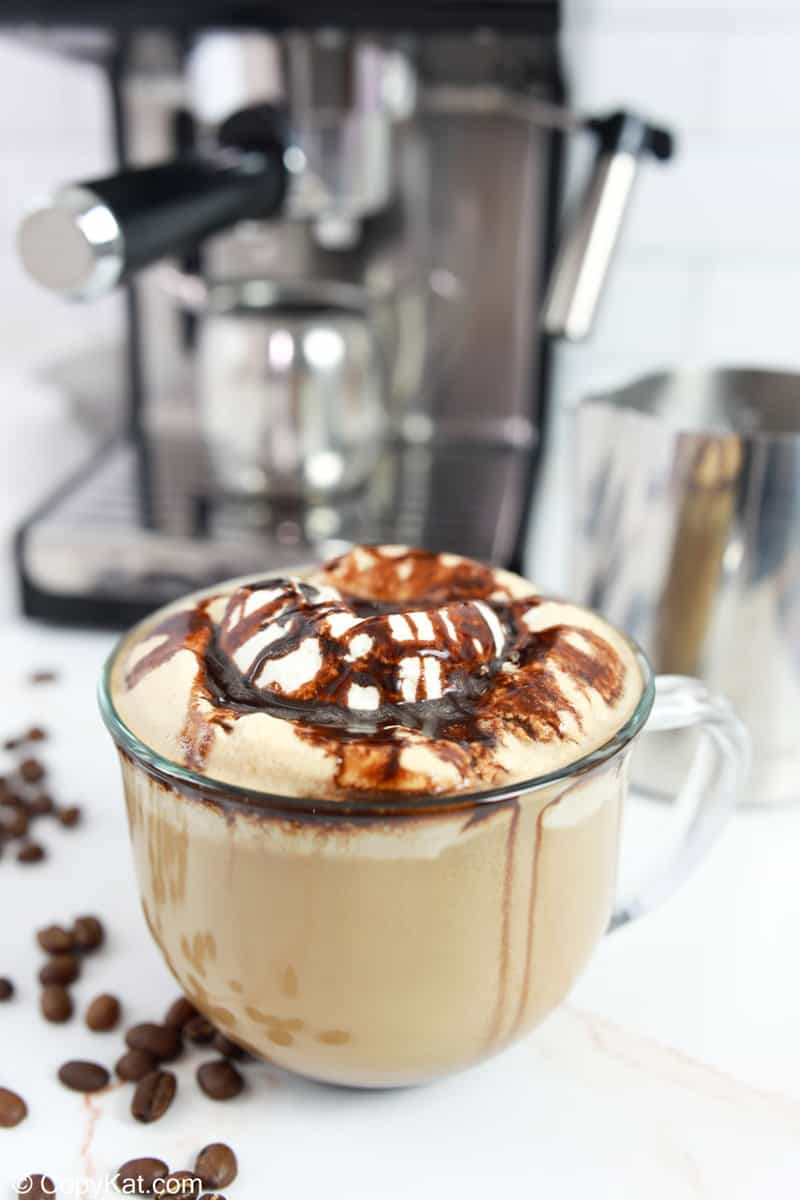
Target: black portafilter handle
[91, 236]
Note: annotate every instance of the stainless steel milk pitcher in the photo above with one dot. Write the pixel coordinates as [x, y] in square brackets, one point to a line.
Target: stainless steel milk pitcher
[687, 528]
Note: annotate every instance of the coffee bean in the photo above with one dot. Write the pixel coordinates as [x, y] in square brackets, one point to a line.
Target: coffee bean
[83, 1076]
[6, 989]
[35, 734]
[60, 968]
[70, 816]
[13, 1109]
[227, 1048]
[162, 1041]
[138, 1176]
[55, 939]
[36, 1187]
[56, 1003]
[199, 1030]
[30, 852]
[88, 933]
[153, 1096]
[135, 1064]
[12, 743]
[31, 770]
[183, 1183]
[43, 677]
[14, 821]
[216, 1165]
[219, 1079]
[41, 805]
[212, 1196]
[103, 1013]
[179, 1013]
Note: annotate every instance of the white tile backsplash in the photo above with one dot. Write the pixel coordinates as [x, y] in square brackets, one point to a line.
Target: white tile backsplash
[664, 73]
[649, 307]
[759, 92]
[714, 200]
[681, 15]
[753, 315]
[709, 264]
[45, 97]
[54, 127]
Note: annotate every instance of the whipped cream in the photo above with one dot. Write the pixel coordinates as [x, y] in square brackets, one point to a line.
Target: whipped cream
[385, 670]
[296, 640]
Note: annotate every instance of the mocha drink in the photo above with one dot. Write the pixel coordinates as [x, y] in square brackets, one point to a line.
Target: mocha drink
[306, 768]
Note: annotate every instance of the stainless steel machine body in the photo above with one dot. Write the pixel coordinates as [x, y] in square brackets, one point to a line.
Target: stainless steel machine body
[335, 240]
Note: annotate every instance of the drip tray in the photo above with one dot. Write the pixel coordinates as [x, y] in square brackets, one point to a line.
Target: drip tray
[141, 524]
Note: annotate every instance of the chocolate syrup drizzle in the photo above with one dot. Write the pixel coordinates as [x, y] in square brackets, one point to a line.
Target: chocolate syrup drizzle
[481, 698]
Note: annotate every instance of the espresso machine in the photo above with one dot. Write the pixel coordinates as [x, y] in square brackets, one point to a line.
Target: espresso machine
[335, 231]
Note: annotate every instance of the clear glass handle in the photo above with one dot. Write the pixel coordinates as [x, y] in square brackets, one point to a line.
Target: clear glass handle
[719, 768]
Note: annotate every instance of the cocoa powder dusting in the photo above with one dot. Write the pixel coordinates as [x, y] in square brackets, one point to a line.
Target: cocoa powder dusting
[428, 580]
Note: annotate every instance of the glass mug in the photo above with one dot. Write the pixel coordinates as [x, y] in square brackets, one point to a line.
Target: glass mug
[377, 942]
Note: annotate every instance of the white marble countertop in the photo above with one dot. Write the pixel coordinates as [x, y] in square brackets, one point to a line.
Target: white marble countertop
[673, 1071]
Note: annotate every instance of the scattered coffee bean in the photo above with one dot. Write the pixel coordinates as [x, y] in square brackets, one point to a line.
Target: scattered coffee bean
[219, 1079]
[183, 1183]
[31, 770]
[55, 939]
[135, 1064]
[138, 1176]
[36, 1187]
[35, 734]
[227, 1048]
[212, 1196]
[13, 1108]
[42, 677]
[153, 1096]
[70, 816]
[162, 1041]
[12, 743]
[56, 1003]
[60, 968]
[103, 1013]
[179, 1013]
[6, 989]
[199, 1030]
[30, 852]
[14, 821]
[41, 805]
[88, 933]
[83, 1076]
[216, 1165]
